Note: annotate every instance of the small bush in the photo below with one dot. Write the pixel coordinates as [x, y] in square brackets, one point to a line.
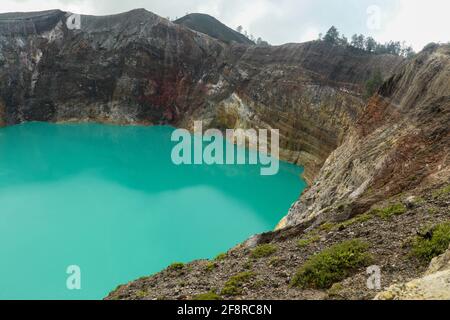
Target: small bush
[373, 84]
[210, 296]
[390, 211]
[275, 262]
[233, 286]
[263, 250]
[176, 266]
[327, 226]
[302, 243]
[210, 266]
[441, 192]
[335, 290]
[332, 265]
[358, 219]
[221, 257]
[141, 294]
[248, 265]
[432, 243]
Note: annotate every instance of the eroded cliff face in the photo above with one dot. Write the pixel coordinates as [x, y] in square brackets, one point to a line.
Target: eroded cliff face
[311, 92]
[399, 144]
[139, 68]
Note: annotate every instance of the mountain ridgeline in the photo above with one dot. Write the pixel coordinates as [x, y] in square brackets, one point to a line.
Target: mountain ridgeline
[364, 154]
[211, 26]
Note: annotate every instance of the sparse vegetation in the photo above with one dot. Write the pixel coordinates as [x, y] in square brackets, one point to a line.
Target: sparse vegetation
[327, 226]
[373, 84]
[209, 296]
[210, 266]
[248, 265]
[221, 257]
[390, 211]
[367, 44]
[176, 266]
[332, 265]
[432, 242]
[263, 250]
[335, 289]
[302, 243]
[275, 261]
[441, 192]
[358, 219]
[141, 294]
[233, 286]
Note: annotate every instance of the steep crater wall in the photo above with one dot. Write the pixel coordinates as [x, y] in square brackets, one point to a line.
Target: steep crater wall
[139, 68]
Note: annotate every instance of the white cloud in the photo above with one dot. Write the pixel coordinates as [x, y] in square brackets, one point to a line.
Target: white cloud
[418, 22]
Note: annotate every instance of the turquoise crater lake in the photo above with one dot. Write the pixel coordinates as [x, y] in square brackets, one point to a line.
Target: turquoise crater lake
[109, 200]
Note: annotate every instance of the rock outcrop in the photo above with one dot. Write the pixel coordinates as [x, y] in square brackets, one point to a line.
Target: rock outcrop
[434, 285]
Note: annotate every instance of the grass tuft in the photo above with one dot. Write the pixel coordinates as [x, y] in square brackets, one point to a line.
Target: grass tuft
[332, 265]
[233, 286]
[176, 266]
[390, 211]
[302, 243]
[210, 266]
[220, 257]
[432, 243]
[441, 193]
[209, 296]
[264, 250]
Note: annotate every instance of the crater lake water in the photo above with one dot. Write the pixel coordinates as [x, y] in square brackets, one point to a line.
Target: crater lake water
[109, 200]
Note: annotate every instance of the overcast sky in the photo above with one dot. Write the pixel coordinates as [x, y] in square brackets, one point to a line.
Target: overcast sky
[417, 22]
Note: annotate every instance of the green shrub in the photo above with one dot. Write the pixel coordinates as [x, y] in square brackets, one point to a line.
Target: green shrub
[302, 243]
[141, 294]
[209, 296]
[275, 262]
[263, 250]
[176, 266]
[248, 265]
[434, 242]
[233, 286]
[221, 257]
[327, 226]
[210, 266]
[358, 219]
[390, 211]
[332, 265]
[441, 192]
[335, 289]
[373, 84]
